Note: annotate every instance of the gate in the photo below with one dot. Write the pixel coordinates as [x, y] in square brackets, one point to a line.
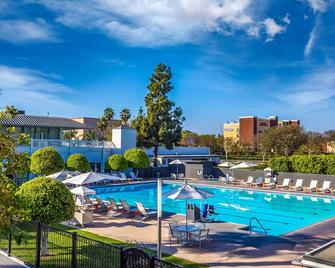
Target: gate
[135, 258]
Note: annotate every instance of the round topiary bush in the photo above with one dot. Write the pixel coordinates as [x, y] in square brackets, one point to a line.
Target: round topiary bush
[46, 161]
[117, 162]
[78, 162]
[137, 158]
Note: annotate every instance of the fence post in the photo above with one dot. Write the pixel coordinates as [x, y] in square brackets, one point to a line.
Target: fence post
[74, 251]
[38, 245]
[152, 262]
[121, 258]
[10, 243]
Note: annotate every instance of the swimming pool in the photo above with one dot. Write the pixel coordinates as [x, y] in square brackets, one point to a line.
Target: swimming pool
[279, 213]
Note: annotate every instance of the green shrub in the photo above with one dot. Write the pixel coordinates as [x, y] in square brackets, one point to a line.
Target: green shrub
[78, 162]
[330, 164]
[280, 164]
[117, 162]
[46, 161]
[137, 158]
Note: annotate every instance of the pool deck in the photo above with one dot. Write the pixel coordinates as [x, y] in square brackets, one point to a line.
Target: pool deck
[230, 245]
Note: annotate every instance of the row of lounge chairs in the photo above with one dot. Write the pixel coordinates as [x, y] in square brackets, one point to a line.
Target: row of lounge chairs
[286, 185]
[132, 178]
[179, 176]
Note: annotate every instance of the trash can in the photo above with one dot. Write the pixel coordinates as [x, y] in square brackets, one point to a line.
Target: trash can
[193, 213]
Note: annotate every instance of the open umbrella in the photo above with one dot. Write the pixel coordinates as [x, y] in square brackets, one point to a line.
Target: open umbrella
[177, 162]
[244, 165]
[63, 175]
[187, 192]
[82, 191]
[89, 178]
[226, 165]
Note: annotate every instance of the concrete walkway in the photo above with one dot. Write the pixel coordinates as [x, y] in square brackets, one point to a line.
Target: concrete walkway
[6, 262]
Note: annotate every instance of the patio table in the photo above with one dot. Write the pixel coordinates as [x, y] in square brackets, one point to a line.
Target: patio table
[186, 232]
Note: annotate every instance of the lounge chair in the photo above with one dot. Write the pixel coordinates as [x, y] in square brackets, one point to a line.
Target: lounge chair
[181, 176]
[249, 181]
[100, 206]
[325, 187]
[298, 185]
[313, 186]
[128, 210]
[144, 213]
[123, 176]
[133, 176]
[259, 182]
[285, 185]
[116, 208]
[173, 176]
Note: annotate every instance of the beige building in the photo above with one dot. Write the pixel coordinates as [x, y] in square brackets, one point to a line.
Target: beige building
[231, 130]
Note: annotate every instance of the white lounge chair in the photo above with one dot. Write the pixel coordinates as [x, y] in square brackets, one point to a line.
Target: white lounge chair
[298, 185]
[313, 186]
[259, 182]
[133, 176]
[249, 181]
[144, 213]
[286, 184]
[325, 187]
[173, 176]
[123, 176]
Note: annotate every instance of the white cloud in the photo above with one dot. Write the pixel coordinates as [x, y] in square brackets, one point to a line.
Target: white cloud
[318, 5]
[157, 22]
[310, 42]
[28, 89]
[313, 90]
[272, 28]
[21, 31]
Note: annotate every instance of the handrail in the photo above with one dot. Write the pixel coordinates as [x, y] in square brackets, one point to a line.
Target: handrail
[260, 224]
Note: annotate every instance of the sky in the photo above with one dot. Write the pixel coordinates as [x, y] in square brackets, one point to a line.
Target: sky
[229, 58]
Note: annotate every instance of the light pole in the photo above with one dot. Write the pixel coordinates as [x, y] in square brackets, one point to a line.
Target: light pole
[159, 218]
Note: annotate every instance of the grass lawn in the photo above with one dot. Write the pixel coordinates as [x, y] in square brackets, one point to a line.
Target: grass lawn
[88, 254]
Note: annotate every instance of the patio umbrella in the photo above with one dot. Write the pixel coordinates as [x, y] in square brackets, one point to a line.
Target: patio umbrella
[187, 192]
[63, 175]
[90, 177]
[177, 162]
[244, 165]
[82, 191]
[226, 165]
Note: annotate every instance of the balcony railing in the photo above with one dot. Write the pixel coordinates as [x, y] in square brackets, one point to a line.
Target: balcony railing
[71, 143]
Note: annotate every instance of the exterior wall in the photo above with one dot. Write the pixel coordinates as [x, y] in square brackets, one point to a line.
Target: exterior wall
[289, 123]
[231, 131]
[248, 128]
[124, 138]
[89, 121]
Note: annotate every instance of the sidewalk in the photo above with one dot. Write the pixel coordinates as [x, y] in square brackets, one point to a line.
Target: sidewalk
[6, 262]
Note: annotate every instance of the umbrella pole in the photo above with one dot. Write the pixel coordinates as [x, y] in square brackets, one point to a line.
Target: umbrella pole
[177, 171]
[186, 213]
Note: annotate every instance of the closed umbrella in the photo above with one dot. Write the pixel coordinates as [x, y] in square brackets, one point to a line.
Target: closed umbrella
[187, 192]
[89, 178]
[177, 162]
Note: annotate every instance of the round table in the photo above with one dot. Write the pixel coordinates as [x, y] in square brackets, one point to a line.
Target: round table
[186, 232]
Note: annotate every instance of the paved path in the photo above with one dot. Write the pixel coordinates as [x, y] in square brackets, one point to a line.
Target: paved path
[6, 262]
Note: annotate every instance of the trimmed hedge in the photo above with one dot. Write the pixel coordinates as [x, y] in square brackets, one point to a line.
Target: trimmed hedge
[46, 161]
[137, 158]
[315, 164]
[117, 162]
[78, 162]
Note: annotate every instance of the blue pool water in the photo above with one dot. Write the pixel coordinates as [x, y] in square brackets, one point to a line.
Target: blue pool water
[279, 213]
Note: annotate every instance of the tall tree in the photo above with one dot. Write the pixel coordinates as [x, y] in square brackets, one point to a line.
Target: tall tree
[125, 116]
[162, 123]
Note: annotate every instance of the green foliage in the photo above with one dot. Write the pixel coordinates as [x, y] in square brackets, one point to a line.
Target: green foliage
[161, 124]
[70, 134]
[46, 161]
[315, 164]
[18, 164]
[137, 158]
[78, 162]
[117, 162]
[90, 135]
[125, 116]
[280, 164]
[46, 200]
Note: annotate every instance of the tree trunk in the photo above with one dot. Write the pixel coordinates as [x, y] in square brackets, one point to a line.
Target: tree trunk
[155, 155]
[44, 237]
[226, 156]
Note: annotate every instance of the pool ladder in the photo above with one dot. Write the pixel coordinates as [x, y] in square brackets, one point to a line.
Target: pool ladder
[251, 227]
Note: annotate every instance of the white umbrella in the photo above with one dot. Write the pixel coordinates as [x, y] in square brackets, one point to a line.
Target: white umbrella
[268, 169]
[177, 162]
[226, 165]
[90, 177]
[82, 191]
[186, 192]
[63, 175]
[244, 165]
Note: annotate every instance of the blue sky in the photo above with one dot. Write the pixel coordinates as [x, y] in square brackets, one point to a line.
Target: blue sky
[229, 57]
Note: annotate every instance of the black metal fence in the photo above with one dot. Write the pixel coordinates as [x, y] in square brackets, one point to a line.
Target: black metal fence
[50, 247]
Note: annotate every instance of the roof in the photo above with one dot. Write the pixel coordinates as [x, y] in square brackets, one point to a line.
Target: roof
[42, 121]
[186, 155]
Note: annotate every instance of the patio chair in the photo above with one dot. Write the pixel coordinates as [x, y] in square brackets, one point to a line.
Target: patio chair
[259, 182]
[298, 185]
[285, 185]
[181, 176]
[173, 176]
[313, 186]
[173, 234]
[116, 208]
[200, 236]
[128, 210]
[249, 181]
[325, 187]
[208, 213]
[100, 206]
[123, 176]
[133, 176]
[144, 213]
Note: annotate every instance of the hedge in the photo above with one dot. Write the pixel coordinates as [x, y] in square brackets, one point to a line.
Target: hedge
[46, 161]
[78, 162]
[117, 162]
[315, 164]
